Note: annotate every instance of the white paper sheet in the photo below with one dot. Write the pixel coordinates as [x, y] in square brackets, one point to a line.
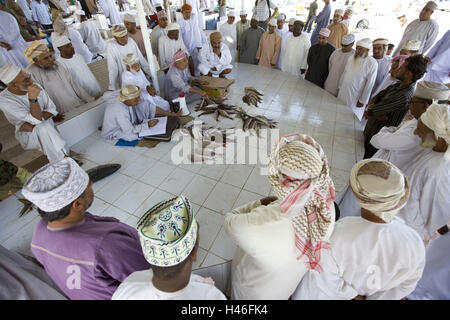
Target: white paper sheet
[159, 128]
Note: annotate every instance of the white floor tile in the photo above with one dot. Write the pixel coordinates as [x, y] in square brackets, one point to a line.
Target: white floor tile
[199, 189]
[157, 173]
[156, 197]
[115, 212]
[343, 160]
[134, 196]
[132, 221]
[246, 197]
[213, 171]
[201, 254]
[212, 260]
[236, 175]
[257, 183]
[222, 198]
[177, 181]
[223, 247]
[210, 223]
[114, 188]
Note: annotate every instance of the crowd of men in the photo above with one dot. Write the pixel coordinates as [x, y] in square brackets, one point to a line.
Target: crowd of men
[393, 215]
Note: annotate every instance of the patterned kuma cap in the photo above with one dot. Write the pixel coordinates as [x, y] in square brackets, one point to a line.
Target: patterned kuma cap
[168, 232]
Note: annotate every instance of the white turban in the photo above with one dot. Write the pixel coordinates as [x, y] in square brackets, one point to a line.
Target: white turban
[292, 21]
[129, 18]
[437, 119]
[325, 32]
[173, 26]
[273, 22]
[348, 39]
[431, 5]
[129, 92]
[8, 73]
[231, 14]
[432, 90]
[130, 59]
[365, 43]
[80, 12]
[379, 187]
[243, 13]
[281, 16]
[412, 45]
[384, 42]
[35, 49]
[119, 31]
[60, 41]
[56, 185]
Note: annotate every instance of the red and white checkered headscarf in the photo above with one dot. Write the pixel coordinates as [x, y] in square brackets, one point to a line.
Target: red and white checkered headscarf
[299, 174]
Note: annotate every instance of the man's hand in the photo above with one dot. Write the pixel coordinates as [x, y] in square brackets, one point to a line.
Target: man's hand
[46, 115]
[202, 93]
[33, 91]
[58, 118]
[359, 105]
[358, 297]
[5, 45]
[268, 200]
[177, 114]
[26, 127]
[151, 91]
[214, 69]
[152, 123]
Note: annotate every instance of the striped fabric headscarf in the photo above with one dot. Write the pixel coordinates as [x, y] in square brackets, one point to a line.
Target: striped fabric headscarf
[300, 176]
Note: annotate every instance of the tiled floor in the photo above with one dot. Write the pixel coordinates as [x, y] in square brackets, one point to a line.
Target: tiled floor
[148, 175]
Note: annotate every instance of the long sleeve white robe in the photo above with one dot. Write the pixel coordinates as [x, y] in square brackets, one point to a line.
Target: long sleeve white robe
[141, 81]
[123, 122]
[114, 53]
[178, 81]
[295, 54]
[229, 37]
[356, 84]
[384, 65]
[110, 9]
[284, 34]
[265, 264]
[157, 33]
[193, 36]
[427, 209]
[208, 59]
[61, 87]
[434, 284]
[375, 260]
[439, 68]
[424, 31]
[167, 49]
[92, 37]
[336, 65]
[78, 45]
[10, 34]
[138, 286]
[23, 4]
[44, 136]
[82, 74]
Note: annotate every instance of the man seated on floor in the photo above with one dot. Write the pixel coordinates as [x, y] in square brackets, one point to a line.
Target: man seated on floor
[129, 116]
[134, 75]
[178, 80]
[169, 236]
[215, 57]
[280, 238]
[55, 79]
[374, 256]
[29, 108]
[169, 45]
[77, 67]
[87, 256]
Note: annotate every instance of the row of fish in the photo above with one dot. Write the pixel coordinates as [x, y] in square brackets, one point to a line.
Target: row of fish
[252, 96]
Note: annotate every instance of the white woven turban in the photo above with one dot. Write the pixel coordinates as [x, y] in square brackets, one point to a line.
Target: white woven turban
[365, 43]
[281, 16]
[8, 73]
[34, 50]
[412, 45]
[173, 26]
[56, 185]
[432, 90]
[325, 32]
[129, 18]
[60, 41]
[379, 187]
[130, 59]
[119, 31]
[243, 13]
[129, 92]
[231, 14]
[431, 5]
[273, 22]
[384, 42]
[348, 39]
[437, 118]
[292, 21]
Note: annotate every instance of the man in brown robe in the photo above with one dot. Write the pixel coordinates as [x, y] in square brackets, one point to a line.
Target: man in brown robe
[269, 47]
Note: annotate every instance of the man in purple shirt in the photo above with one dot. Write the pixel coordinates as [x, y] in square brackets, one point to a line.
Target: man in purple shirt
[87, 256]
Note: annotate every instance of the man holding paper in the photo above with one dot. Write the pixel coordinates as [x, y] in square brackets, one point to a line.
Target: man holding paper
[129, 116]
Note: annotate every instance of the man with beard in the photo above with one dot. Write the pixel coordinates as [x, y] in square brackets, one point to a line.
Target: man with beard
[249, 42]
[318, 59]
[215, 57]
[169, 45]
[87, 256]
[55, 79]
[358, 79]
[31, 111]
[429, 174]
[157, 32]
[77, 67]
[294, 53]
[269, 47]
[388, 108]
[116, 49]
[337, 63]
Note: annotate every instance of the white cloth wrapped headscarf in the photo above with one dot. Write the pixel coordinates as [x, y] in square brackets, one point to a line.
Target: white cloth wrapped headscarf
[437, 118]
